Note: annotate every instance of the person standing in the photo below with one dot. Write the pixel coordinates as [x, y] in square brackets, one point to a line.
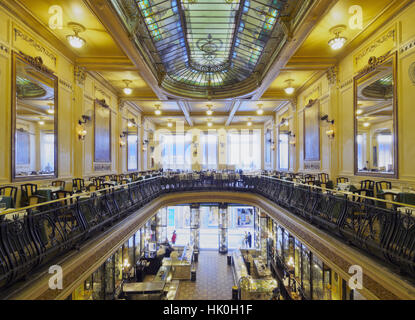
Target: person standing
[173, 237]
[249, 239]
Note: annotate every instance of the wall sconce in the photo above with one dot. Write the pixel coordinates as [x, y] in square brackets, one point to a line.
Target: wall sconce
[131, 123]
[326, 118]
[122, 136]
[82, 133]
[284, 122]
[84, 120]
[330, 133]
[291, 138]
[145, 143]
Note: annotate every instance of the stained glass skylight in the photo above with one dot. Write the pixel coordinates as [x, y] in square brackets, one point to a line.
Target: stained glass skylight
[203, 44]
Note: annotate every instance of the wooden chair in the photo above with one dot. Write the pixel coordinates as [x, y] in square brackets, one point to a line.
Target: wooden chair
[28, 190]
[383, 185]
[62, 194]
[9, 191]
[342, 180]
[323, 178]
[59, 183]
[79, 184]
[92, 188]
[97, 182]
[367, 184]
[33, 200]
[309, 178]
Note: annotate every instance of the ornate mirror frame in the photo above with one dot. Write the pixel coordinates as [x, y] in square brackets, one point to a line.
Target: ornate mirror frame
[373, 64]
[38, 65]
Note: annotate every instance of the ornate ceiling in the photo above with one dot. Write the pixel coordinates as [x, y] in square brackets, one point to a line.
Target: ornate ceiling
[200, 48]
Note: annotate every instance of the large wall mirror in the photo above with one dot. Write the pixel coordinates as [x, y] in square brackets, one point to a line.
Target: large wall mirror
[34, 120]
[375, 107]
[132, 144]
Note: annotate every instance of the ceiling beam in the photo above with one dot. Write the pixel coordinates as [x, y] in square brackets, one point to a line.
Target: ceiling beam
[234, 108]
[309, 63]
[183, 105]
[106, 64]
[215, 114]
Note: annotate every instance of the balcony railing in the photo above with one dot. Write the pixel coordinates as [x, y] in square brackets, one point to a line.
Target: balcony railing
[31, 237]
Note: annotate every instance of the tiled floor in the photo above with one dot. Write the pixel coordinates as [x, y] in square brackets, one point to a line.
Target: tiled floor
[214, 279]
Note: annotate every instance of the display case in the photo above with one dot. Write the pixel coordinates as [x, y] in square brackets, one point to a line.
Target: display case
[252, 288]
[180, 267]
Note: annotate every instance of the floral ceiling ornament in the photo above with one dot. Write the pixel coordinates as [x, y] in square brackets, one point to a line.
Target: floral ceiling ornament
[209, 46]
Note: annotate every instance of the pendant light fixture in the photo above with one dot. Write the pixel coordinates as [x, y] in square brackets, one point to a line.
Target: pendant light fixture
[51, 110]
[337, 42]
[209, 112]
[75, 40]
[260, 111]
[127, 90]
[157, 112]
[289, 89]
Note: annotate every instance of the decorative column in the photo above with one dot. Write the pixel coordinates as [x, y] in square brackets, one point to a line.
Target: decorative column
[161, 227]
[223, 228]
[257, 227]
[264, 233]
[195, 227]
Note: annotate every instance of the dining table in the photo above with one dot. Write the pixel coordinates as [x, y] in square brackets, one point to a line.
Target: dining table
[46, 191]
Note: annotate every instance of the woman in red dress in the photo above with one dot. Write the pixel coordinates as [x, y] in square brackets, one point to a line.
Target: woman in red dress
[173, 237]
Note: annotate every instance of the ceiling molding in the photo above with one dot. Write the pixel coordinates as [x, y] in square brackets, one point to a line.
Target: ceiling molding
[204, 115]
[106, 64]
[234, 108]
[184, 106]
[309, 63]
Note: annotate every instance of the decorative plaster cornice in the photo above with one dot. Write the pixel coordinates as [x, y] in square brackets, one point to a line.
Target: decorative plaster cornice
[35, 44]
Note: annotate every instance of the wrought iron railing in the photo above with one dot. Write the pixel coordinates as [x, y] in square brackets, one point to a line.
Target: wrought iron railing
[31, 237]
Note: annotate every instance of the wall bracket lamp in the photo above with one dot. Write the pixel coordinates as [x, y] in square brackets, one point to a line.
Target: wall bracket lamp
[326, 118]
[84, 120]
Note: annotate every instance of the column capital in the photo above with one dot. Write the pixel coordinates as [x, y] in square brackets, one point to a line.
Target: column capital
[195, 206]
